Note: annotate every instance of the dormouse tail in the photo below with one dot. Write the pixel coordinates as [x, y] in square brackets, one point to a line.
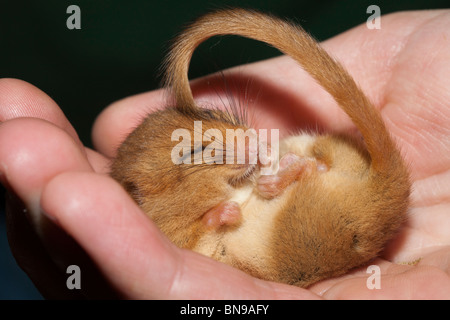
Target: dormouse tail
[292, 40]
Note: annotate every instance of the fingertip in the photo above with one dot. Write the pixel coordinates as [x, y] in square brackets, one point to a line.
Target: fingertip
[32, 151]
[19, 99]
[115, 122]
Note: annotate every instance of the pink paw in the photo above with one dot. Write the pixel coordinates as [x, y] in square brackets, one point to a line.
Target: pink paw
[292, 167]
[226, 213]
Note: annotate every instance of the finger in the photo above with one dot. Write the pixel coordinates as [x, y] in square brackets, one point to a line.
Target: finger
[33, 151]
[20, 99]
[114, 124]
[134, 254]
[99, 163]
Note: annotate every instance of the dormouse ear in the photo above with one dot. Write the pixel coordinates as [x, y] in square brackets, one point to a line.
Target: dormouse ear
[226, 213]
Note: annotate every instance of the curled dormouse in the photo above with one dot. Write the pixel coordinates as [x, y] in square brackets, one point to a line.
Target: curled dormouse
[331, 206]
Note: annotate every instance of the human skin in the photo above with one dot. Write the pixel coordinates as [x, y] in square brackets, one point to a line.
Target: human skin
[403, 68]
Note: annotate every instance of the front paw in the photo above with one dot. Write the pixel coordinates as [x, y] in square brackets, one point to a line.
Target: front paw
[292, 167]
[226, 213]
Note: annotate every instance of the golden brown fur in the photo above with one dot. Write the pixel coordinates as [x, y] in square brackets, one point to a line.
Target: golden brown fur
[320, 224]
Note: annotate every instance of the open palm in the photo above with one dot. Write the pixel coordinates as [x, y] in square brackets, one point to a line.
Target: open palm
[403, 68]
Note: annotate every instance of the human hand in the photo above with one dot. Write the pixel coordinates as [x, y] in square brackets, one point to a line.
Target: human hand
[402, 68]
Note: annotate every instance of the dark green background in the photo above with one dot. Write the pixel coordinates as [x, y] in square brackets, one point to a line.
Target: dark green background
[119, 49]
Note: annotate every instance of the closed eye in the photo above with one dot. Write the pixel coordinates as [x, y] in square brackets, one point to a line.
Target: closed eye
[193, 152]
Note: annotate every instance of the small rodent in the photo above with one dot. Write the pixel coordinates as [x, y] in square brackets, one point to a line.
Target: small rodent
[333, 204]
